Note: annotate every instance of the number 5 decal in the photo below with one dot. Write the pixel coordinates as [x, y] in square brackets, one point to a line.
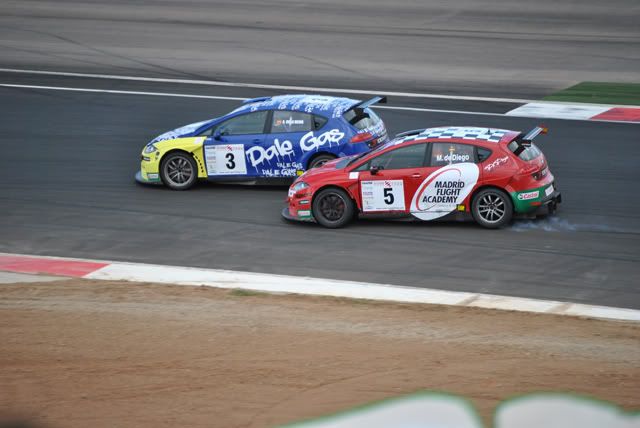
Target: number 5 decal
[388, 196]
[382, 195]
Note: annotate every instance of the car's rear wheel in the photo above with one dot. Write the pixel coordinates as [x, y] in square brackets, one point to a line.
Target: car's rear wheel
[319, 161]
[333, 208]
[492, 208]
[178, 171]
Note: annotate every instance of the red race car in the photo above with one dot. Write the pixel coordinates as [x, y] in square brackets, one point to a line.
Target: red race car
[487, 174]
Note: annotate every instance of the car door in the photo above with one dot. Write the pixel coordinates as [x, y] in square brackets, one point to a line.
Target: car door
[226, 149]
[450, 176]
[280, 155]
[388, 181]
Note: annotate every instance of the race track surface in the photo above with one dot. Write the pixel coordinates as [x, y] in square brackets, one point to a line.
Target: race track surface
[518, 48]
[68, 158]
[67, 167]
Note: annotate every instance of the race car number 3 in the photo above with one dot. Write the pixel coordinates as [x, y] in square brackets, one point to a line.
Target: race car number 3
[225, 159]
[382, 195]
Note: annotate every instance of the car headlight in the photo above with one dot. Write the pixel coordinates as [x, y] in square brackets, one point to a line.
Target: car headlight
[299, 186]
[150, 148]
[296, 187]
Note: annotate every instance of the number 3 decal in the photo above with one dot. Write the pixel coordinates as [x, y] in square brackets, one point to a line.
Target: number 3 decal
[230, 158]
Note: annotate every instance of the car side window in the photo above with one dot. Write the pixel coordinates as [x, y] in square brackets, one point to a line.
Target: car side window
[319, 122]
[252, 123]
[403, 157]
[291, 121]
[449, 153]
[483, 154]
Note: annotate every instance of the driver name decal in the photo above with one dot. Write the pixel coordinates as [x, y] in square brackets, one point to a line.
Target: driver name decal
[443, 190]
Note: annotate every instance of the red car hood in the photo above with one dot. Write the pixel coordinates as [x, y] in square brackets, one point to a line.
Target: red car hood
[325, 169]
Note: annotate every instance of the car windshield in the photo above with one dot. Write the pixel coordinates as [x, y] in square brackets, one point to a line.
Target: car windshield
[375, 150]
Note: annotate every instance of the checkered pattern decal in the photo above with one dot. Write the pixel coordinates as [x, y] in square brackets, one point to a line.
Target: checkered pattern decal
[487, 134]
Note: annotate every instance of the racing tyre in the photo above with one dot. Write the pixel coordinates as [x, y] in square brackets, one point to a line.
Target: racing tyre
[492, 208]
[333, 208]
[319, 161]
[178, 171]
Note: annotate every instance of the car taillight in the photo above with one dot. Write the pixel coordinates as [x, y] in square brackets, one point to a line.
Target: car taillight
[359, 138]
[540, 174]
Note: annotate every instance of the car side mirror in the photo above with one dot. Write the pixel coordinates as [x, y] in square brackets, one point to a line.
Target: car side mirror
[375, 169]
[217, 133]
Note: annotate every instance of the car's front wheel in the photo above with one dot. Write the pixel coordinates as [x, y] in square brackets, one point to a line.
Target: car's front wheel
[333, 208]
[492, 208]
[178, 171]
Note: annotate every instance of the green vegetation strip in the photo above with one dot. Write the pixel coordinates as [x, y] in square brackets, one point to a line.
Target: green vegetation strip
[600, 93]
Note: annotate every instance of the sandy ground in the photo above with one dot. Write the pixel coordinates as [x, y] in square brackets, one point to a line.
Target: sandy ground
[103, 354]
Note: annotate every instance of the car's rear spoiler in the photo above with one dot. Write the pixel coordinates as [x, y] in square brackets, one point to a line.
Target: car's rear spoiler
[358, 108]
[526, 140]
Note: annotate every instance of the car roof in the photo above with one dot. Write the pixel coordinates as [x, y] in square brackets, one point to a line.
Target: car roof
[317, 104]
[470, 133]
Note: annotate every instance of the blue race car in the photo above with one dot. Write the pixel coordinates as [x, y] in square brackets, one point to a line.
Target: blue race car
[265, 138]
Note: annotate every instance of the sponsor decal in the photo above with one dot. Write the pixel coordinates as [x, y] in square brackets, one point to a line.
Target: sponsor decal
[354, 175]
[258, 154]
[496, 163]
[525, 196]
[152, 176]
[304, 213]
[310, 142]
[282, 169]
[444, 190]
[382, 195]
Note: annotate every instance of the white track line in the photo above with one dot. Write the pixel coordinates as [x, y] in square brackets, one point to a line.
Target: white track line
[271, 283]
[218, 97]
[261, 86]
[114, 91]
[215, 97]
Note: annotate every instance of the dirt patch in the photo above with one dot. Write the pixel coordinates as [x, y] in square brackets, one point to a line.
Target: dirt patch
[101, 354]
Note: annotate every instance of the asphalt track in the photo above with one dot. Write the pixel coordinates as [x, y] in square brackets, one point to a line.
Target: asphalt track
[68, 158]
[67, 168]
[518, 47]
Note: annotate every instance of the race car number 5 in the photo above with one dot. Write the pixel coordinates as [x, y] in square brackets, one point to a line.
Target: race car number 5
[225, 159]
[382, 195]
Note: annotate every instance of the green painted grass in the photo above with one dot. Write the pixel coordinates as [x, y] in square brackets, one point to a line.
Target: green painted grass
[600, 93]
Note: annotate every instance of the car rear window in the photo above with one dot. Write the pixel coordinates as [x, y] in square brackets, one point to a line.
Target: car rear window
[529, 153]
[365, 122]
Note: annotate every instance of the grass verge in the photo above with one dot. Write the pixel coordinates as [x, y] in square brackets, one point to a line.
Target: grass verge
[599, 93]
